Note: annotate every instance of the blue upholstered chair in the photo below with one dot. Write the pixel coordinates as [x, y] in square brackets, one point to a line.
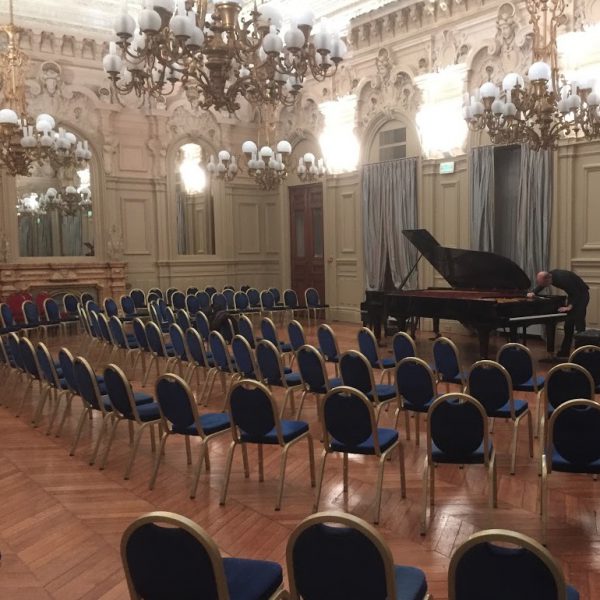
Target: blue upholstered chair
[218, 302]
[242, 303]
[125, 408]
[328, 345]
[7, 320]
[14, 354]
[171, 291]
[178, 300]
[255, 420]
[192, 304]
[245, 359]
[87, 297]
[129, 309]
[55, 386]
[254, 298]
[180, 348]
[314, 304]
[417, 389]
[199, 363]
[191, 291]
[168, 556]
[498, 564]
[182, 318]
[573, 445]
[204, 300]
[269, 332]
[246, 330]
[269, 304]
[54, 320]
[159, 351]
[403, 346]
[32, 374]
[296, 335]
[110, 308]
[202, 326]
[314, 375]
[292, 304]
[367, 345]
[276, 296]
[447, 362]
[490, 384]
[156, 291]
[588, 357]
[273, 373]
[139, 298]
[339, 556]
[457, 433]
[349, 423]
[124, 343]
[357, 373]
[230, 298]
[32, 317]
[71, 304]
[210, 290]
[229, 287]
[224, 365]
[179, 414]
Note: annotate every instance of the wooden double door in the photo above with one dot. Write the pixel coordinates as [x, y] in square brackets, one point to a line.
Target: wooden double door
[306, 239]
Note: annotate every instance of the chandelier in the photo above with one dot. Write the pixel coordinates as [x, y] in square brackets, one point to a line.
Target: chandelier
[30, 205]
[226, 168]
[548, 108]
[310, 169]
[208, 46]
[68, 201]
[21, 142]
[267, 166]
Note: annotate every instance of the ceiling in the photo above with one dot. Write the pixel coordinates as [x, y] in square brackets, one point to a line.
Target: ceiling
[62, 16]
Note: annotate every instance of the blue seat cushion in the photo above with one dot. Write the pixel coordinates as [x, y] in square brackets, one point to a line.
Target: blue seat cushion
[559, 463]
[422, 408]
[472, 459]
[210, 423]
[289, 429]
[388, 363]
[410, 583]
[530, 384]
[384, 392]
[504, 412]
[285, 347]
[148, 412]
[293, 379]
[252, 579]
[333, 382]
[387, 437]
[456, 379]
[142, 398]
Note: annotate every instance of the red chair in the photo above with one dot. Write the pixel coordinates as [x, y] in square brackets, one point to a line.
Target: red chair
[15, 302]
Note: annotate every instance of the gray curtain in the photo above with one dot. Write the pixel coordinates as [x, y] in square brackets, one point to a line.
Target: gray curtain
[182, 242]
[389, 206]
[534, 210]
[482, 198]
[71, 227]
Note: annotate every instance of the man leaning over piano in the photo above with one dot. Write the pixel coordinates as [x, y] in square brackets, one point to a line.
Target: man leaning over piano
[578, 297]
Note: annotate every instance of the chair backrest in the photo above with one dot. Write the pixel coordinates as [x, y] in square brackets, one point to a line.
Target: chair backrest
[334, 555]
[328, 342]
[104, 328]
[267, 299]
[490, 383]
[191, 291]
[253, 410]
[71, 303]
[156, 292]
[517, 360]
[182, 318]
[166, 555]
[219, 351]
[31, 312]
[15, 350]
[218, 301]
[178, 341]
[67, 366]
[202, 325]
[589, 358]
[87, 297]
[92, 306]
[269, 362]
[311, 296]
[458, 425]
[446, 358]
[139, 330]
[91, 318]
[177, 403]
[367, 344]
[312, 369]
[229, 287]
[484, 567]
[269, 331]
[348, 417]
[178, 300]
[276, 294]
[155, 339]
[46, 363]
[169, 294]
[51, 310]
[356, 372]
[87, 384]
[403, 346]
[253, 297]
[28, 355]
[128, 306]
[192, 303]
[415, 381]
[119, 391]
[118, 333]
[138, 297]
[210, 290]
[7, 316]
[241, 301]
[244, 288]
[196, 347]
[246, 330]
[567, 381]
[204, 300]
[111, 308]
[152, 298]
[229, 297]
[296, 335]
[290, 299]
[244, 357]
[574, 431]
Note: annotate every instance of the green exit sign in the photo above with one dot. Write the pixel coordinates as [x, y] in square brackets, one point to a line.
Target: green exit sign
[446, 168]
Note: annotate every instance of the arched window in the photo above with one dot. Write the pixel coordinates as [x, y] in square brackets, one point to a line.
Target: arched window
[195, 219]
[389, 143]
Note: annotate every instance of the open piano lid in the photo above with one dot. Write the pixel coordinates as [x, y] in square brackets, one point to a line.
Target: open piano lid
[469, 269]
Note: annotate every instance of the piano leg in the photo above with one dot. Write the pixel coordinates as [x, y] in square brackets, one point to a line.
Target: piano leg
[513, 334]
[483, 332]
[550, 336]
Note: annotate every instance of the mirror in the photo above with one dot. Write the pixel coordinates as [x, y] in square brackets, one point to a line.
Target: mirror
[55, 212]
[194, 202]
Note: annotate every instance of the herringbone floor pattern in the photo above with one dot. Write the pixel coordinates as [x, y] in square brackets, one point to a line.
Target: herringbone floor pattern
[61, 520]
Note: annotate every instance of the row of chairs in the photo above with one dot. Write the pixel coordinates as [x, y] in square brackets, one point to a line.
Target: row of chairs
[334, 556]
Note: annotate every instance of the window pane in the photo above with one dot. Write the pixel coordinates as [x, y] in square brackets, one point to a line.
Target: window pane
[317, 215]
[392, 152]
[299, 234]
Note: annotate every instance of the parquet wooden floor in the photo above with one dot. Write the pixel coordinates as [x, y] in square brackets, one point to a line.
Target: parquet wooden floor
[61, 520]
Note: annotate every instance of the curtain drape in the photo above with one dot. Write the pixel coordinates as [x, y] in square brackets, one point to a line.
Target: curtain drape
[389, 206]
[534, 210]
[182, 242]
[482, 198]
[71, 234]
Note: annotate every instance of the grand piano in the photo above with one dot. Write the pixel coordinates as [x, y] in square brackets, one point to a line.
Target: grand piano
[488, 292]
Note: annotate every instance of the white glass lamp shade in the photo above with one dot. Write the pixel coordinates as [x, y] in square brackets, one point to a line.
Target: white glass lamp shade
[511, 81]
[149, 21]
[244, 72]
[112, 63]
[249, 147]
[70, 137]
[574, 102]
[70, 190]
[477, 109]
[284, 147]
[294, 38]
[592, 100]
[181, 26]
[272, 43]
[266, 152]
[488, 90]
[8, 117]
[270, 14]
[322, 38]
[224, 155]
[124, 25]
[303, 16]
[510, 110]
[540, 71]
[260, 164]
[338, 50]
[309, 158]
[166, 5]
[51, 193]
[497, 107]
[196, 37]
[43, 119]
